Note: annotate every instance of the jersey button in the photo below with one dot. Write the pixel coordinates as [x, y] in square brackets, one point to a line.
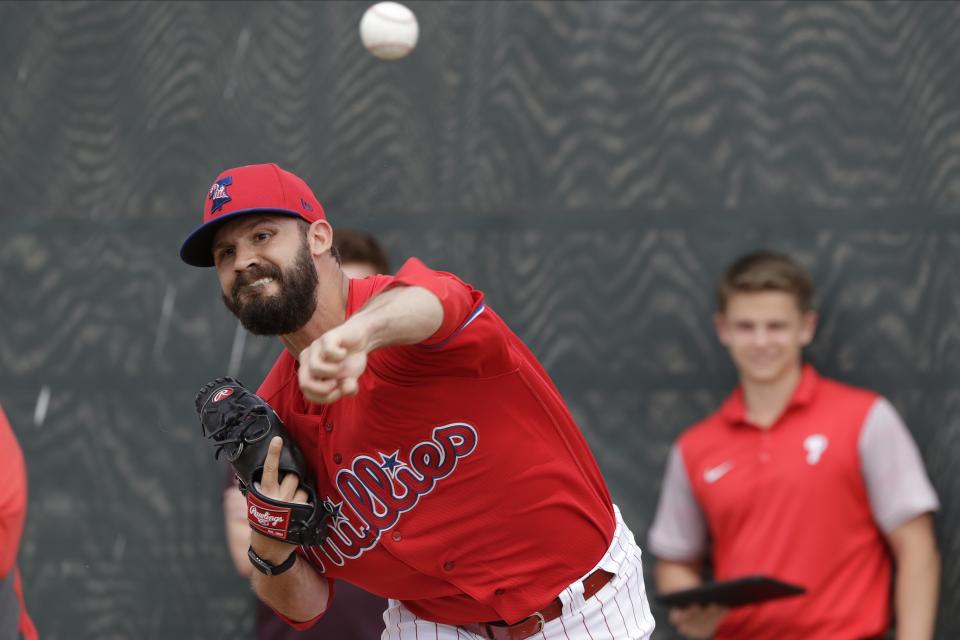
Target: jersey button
[448, 565]
[328, 427]
[499, 592]
[396, 536]
[337, 458]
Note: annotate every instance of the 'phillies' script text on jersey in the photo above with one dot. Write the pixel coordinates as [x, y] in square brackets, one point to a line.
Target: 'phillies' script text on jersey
[378, 492]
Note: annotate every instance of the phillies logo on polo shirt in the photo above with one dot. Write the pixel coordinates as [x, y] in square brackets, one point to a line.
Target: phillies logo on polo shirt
[218, 193]
[815, 445]
[379, 491]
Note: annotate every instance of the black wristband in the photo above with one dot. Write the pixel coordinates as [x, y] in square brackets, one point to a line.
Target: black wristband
[268, 569]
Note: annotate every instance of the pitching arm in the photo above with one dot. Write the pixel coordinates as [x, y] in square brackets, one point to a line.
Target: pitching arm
[331, 366]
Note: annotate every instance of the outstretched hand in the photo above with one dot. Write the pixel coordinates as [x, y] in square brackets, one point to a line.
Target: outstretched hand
[331, 366]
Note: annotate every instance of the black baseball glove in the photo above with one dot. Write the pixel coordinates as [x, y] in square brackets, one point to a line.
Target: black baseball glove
[241, 426]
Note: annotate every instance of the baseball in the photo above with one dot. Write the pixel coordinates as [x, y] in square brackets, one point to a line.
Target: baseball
[389, 30]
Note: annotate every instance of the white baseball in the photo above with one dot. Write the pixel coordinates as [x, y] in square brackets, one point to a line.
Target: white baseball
[389, 30]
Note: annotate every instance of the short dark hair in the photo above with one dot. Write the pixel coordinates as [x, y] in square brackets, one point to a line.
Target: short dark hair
[353, 245]
[766, 271]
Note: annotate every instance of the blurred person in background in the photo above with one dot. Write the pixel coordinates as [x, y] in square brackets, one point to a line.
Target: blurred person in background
[360, 254]
[797, 477]
[14, 621]
[357, 614]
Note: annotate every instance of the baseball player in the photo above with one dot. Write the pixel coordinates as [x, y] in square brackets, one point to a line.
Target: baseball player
[797, 477]
[356, 615]
[453, 477]
[14, 620]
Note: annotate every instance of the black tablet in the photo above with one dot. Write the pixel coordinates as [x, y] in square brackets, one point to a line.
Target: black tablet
[732, 593]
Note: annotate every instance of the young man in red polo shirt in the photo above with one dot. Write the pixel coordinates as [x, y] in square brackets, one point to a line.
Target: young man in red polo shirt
[797, 477]
[460, 486]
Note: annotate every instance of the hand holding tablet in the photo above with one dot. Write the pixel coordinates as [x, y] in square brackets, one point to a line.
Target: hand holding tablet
[732, 593]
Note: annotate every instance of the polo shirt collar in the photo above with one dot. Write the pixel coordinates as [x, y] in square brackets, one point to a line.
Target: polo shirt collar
[734, 411]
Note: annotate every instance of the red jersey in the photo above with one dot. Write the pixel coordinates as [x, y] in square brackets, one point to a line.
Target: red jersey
[13, 511]
[460, 482]
[793, 502]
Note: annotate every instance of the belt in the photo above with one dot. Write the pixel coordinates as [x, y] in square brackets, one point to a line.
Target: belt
[535, 622]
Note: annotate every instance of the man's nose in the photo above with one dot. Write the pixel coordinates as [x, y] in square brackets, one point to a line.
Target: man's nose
[245, 258]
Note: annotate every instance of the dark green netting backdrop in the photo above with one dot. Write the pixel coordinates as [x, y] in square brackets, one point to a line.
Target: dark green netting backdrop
[591, 165]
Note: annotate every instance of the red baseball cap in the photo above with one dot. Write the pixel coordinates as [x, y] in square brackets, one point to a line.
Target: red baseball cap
[254, 188]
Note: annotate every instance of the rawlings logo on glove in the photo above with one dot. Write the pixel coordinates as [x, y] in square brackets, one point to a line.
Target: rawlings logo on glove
[241, 426]
[266, 519]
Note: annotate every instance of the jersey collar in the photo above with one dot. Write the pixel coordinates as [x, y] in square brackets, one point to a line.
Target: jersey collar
[734, 411]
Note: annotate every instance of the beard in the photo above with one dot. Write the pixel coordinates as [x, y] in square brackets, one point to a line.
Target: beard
[285, 312]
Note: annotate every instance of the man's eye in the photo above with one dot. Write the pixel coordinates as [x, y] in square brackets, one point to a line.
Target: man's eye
[226, 253]
[263, 235]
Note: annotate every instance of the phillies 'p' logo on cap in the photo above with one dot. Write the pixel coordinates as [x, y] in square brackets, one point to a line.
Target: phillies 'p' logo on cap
[254, 188]
[218, 193]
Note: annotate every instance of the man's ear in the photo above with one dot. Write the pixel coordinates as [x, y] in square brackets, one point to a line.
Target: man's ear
[809, 327]
[720, 325]
[320, 237]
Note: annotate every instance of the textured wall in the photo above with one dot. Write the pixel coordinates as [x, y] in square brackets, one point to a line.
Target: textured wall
[591, 165]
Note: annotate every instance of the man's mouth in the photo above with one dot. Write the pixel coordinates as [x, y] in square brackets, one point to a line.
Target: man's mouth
[253, 288]
[262, 282]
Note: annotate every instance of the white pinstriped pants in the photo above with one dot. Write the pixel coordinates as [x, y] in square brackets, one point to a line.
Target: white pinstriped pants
[619, 611]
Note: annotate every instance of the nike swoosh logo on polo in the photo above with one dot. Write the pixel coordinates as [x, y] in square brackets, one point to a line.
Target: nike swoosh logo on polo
[715, 473]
